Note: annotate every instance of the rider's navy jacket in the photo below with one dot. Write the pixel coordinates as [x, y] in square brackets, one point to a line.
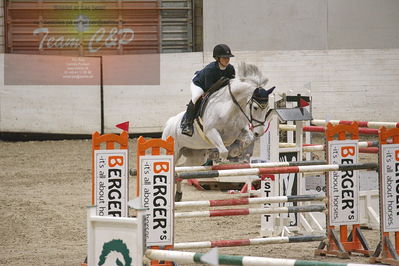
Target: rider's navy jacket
[212, 73]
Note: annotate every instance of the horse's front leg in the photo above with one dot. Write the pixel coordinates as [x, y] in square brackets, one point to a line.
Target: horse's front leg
[247, 137]
[244, 140]
[214, 136]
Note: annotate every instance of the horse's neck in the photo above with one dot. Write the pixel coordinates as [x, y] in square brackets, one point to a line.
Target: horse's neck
[237, 91]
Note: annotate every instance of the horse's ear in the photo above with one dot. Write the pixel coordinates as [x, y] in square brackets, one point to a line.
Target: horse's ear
[269, 91]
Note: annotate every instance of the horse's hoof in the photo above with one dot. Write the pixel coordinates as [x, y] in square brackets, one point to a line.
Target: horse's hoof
[223, 156]
[178, 196]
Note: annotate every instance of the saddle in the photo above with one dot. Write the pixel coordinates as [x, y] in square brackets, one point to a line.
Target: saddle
[202, 102]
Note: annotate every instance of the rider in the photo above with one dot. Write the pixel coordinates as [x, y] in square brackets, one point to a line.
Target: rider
[204, 79]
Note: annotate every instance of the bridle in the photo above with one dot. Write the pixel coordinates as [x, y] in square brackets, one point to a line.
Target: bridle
[258, 122]
[250, 119]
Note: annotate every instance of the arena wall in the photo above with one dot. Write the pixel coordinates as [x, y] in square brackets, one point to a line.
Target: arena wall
[301, 25]
[2, 39]
[148, 107]
[60, 109]
[345, 52]
[358, 84]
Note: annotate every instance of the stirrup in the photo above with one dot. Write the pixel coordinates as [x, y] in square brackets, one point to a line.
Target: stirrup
[188, 130]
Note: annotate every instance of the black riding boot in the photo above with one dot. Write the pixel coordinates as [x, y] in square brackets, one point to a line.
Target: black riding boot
[187, 124]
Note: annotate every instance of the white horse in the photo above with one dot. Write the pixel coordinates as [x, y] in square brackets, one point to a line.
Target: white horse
[231, 115]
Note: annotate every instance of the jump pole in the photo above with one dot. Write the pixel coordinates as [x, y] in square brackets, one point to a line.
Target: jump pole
[185, 169]
[248, 242]
[343, 195]
[320, 129]
[278, 170]
[245, 166]
[247, 201]
[364, 147]
[250, 211]
[377, 125]
[386, 251]
[192, 257]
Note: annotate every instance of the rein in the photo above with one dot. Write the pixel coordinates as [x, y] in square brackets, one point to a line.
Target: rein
[236, 103]
[260, 123]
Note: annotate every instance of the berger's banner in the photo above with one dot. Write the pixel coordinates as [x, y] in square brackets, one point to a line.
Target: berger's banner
[111, 182]
[390, 186]
[344, 185]
[75, 42]
[156, 190]
[83, 28]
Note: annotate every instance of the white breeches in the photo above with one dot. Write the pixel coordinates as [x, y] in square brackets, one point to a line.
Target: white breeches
[196, 92]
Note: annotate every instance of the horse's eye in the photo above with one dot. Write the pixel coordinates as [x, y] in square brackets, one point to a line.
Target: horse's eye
[255, 108]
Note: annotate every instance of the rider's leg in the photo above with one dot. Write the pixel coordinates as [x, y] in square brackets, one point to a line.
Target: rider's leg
[188, 120]
[196, 93]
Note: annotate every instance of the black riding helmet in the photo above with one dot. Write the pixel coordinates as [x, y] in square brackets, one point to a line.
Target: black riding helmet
[261, 96]
[222, 50]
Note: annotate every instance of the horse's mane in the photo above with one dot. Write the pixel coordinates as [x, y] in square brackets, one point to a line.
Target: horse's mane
[251, 74]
